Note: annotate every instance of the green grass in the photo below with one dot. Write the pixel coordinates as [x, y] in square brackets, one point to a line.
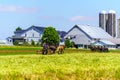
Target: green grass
[74, 64]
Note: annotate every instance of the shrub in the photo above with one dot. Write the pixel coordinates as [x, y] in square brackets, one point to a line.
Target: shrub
[33, 43]
[67, 43]
[72, 44]
[26, 44]
[38, 44]
[16, 43]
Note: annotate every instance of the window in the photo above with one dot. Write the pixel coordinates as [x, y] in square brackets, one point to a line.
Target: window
[39, 40]
[33, 35]
[10, 40]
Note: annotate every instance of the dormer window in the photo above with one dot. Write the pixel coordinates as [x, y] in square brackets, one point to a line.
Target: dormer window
[25, 34]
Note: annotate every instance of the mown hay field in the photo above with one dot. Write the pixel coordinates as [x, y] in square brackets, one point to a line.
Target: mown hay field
[74, 64]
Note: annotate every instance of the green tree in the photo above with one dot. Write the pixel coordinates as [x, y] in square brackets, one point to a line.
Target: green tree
[18, 28]
[67, 43]
[50, 36]
[33, 43]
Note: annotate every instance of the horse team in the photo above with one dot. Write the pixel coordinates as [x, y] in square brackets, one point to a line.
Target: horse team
[98, 48]
[52, 49]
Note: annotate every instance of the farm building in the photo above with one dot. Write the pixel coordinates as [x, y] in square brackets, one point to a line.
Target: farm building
[83, 36]
[5, 43]
[32, 33]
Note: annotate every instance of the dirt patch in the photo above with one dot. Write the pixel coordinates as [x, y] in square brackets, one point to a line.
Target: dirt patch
[10, 51]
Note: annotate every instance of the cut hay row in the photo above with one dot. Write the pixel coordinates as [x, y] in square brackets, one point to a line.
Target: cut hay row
[9, 51]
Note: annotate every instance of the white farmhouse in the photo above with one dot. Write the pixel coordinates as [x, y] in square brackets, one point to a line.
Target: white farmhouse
[32, 33]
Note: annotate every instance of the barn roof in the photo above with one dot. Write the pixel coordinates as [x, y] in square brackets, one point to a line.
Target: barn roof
[103, 42]
[94, 32]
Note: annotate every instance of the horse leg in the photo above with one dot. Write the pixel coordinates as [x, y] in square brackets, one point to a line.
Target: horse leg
[46, 51]
[61, 50]
[58, 51]
[43, 51]
[54, 51]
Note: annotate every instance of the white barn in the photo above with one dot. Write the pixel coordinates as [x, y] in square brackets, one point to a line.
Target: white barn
[83, 36]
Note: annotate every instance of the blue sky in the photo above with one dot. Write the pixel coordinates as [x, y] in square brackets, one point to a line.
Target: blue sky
[61, 14]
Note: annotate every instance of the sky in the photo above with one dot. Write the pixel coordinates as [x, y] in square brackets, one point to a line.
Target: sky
[60, 14]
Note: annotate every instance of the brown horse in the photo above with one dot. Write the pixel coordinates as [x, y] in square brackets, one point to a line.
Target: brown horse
[61, 49]
[52, 49]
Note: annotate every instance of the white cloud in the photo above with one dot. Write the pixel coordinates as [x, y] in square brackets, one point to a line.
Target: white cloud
[56, 18]
[17, 9]
[82, 18]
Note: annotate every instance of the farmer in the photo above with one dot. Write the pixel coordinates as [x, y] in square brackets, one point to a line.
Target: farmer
[44, 51]
[44, 45]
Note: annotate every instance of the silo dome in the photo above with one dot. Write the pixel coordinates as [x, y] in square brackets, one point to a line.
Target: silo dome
[112, 11]
[103, 12]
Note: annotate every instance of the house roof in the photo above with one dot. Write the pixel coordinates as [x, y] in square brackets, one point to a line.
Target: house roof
[62, 33]
[20, 31]
[37, 27]
[15, 37]
[94, 32]
[40, 29]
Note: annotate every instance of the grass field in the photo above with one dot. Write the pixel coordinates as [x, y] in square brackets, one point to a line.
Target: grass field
[74, 64]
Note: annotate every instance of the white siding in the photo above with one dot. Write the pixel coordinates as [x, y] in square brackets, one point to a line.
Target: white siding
[74, 31]
[80, 38]
[32, 35]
